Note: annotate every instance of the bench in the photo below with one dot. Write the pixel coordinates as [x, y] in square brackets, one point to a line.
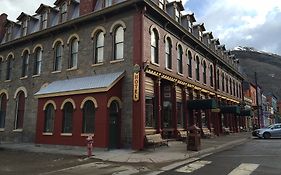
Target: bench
[182, 135]
[155, 140]
[206, 133]
[226, 130]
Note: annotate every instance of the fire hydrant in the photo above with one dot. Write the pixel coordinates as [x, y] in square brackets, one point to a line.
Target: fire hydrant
[90, 141]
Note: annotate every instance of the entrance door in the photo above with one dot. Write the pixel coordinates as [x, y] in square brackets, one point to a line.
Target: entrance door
[113, 125]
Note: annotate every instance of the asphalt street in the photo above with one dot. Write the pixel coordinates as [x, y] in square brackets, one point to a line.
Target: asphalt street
[256, 157]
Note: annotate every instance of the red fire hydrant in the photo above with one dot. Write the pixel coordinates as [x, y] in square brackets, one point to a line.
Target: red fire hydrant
[90, 141]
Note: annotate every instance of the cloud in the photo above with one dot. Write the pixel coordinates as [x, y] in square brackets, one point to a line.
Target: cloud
[239, 22]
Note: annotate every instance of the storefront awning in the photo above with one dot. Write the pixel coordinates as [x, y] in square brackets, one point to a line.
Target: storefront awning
[202, 104]
[91, 84]
[246, 112]
[233, 109]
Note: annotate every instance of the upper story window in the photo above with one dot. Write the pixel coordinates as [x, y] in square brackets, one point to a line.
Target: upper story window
[9, 68]
[37, 61]
[119, 43]
[179, 60]
[218, 79]
[99, 47]
[58, 56]
[197, 68]
[25, 60]
[189, 26]
[168, 53]
[24, 27]
[63, 11]
[226, 81]
[222, 82]
[177, 15]
[200, 35]
[154, 46]
[44, 20]
[211, 75]
[9, 33]
[230, 86]
[204, 72]
[189, 61]
[107, 3]
[73, 60]
[161, 4]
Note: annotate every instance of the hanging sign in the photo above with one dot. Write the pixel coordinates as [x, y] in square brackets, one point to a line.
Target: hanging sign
[136, 90]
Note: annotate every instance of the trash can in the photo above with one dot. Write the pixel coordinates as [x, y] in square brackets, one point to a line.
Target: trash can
[194, 139]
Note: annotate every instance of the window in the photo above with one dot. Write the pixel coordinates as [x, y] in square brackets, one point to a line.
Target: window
[177, 15]
[58, 57]
[218, 79]
[179, 60]
[150, 113]
[154, 46]
[67, 118]
[20, 105]
[3, 106]
[233, 87]
[227, 88]
[88, 117]
[161, 4]
[119, 43]
[204, 72]
[25, 59]
[37, 61]
[24, 27]
[189, 61]
[230, 86]
[197, 69]
[200, 35]
[9, 33]
[63, 12]
[107, 3]
[211, 76]
[73, 54]
[222, 82]
[44, 20]
[9, 68]
[168, 53]
[189, 26]
[99, 48]
[49, 118]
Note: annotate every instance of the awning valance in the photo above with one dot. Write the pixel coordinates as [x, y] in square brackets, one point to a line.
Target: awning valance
[91, 84]
[202, 104]
[232, 109]
[246, 112]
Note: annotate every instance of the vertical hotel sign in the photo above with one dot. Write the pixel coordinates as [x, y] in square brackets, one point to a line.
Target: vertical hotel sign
[136, 90]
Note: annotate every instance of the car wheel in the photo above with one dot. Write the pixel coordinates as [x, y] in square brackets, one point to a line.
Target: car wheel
[266, 135]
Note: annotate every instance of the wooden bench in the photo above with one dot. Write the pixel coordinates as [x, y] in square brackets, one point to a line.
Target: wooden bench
[155, 140]
[206, 133]
[182, 135]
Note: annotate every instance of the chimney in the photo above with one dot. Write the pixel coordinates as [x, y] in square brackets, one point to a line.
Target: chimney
[87, 6]
[3, 19]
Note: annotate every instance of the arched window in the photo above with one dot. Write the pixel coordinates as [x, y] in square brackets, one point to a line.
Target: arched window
[218, 79]
[179, 60]
[3, 106]
[222, 82]
[58, 56]
[20, 105]
[37, 61]
[49, 118]
[189, 61]
[9, 68]
[233, 84]
[211, 76]
[67, 118]
[99, 47]
[72, 63]
[230, 86]
[119, 43]
[88, 117]
[25, 60]
[197, 69]
[114, 107]
[154, 46]
[227, 87]
[168, 53]
[204, 72]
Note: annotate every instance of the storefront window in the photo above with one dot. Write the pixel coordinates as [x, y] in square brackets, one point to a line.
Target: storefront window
[150, 118]
[180, 114]
[167, 114]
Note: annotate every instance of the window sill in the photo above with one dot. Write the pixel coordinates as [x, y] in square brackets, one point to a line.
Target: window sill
[189, 77]
[156, 64]
[66, 134]
[168, 69]
[180, 74]
[22, 78]
[87, 134]
[17, 130]
[72, 69]
[55, 72]
[116, 61]
[97, 64]
[47, 134]
[34, 76]
[6, 81]
[2, 129]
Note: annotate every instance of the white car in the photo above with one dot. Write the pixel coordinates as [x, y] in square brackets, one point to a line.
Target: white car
[269, 131]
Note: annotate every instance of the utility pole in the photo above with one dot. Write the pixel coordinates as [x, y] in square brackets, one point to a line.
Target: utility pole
[257, 99]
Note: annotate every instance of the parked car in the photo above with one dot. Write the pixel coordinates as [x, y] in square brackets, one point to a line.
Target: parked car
[269, 131]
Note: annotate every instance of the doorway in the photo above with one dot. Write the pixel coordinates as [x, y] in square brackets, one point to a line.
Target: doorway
[114, 125]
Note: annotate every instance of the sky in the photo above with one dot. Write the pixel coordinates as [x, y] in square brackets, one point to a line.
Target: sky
[251, 23]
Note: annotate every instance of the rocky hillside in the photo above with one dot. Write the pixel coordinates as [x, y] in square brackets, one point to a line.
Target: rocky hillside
[267, 66]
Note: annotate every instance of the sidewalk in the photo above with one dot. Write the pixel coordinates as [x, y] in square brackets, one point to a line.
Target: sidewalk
[175, 151]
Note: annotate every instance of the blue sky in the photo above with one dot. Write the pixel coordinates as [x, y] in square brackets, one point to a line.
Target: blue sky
[252, 23]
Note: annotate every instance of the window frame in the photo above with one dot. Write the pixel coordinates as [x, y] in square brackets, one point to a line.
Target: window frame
[25, 62]
[49, 119]
[154, 45]
[24, 27]
[97, 47]
[3, 109]
[204, 72]
[9, 68]
[197, 68]
[44, 20]
[20, 110]
[86, 120]
[119, 43]
[64, 12]
[189, 62]
[67, 115]
[180, 59]
[58, 58]
[37, 67]
[168, 53]
[211, 76]
[73, 59]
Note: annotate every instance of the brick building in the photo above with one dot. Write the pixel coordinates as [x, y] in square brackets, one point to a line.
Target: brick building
[115, 69]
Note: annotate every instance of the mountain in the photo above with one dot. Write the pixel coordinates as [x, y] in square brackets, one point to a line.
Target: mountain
[267, 65]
